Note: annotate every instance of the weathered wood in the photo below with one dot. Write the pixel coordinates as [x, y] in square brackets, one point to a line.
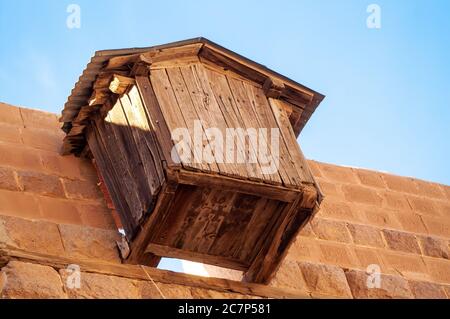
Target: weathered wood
[140, 120]
[233, 184]
[281, 235]
[157, 119]
[225, 100]
[189, 114]
[229, 235]
[151, 166]
[153, 223]
[138, 272]
[109, 173]
[225, 212]
[119, 84]
[299, 160]
[249, 120]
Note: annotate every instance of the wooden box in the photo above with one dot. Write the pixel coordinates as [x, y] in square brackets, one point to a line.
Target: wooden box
[187, 201]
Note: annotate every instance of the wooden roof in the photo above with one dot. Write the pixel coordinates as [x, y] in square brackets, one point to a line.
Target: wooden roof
[275, 84]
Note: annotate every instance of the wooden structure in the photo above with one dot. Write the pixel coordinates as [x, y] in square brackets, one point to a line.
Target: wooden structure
[123, 112]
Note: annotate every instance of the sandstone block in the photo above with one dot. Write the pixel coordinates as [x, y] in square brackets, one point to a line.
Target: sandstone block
[47, 185]
[390, 286]
[427, 290]
[330, 230]
[30, 281]
[361, 194]
[434, 247]
[98, 286]
[401, 241]
[325, 279]
[8, 179]
[365, 235]
[89, 242]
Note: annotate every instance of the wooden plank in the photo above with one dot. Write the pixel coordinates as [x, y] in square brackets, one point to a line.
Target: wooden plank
[125, 200]
[144, 123]
[117, 138]
[211, 213]
[230, 233]
[220, 261]
[210, 55]
[225, 100]
[202, 105]
[249, 121]
[183, 200]
[119, 84]
[176, 63]
[186, 213]
[263, 115]
[257, 231]
[150, 227]
[281, 235]
[216, 115]
[138, 272]
[155, 56]
[291, 141]
[116, 121]
[111, 178]
[171, 110]
[233, 184]
[288, 172]
[139, 129]
[174, 53]
[156, 119]
[189, 113]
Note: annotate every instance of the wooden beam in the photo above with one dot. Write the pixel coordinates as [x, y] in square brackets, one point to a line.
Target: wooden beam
[237, 185]
[157, 120]
[138, 272]
[280, 238]
[119, 84]
[149, 228]
[171, 252]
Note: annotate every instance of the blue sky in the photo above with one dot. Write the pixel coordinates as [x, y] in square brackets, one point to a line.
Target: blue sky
[388, 90]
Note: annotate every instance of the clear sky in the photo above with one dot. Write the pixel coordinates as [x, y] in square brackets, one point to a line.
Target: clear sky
[387, 104]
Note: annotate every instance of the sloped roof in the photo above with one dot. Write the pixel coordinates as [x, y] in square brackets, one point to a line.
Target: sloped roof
[83, 89]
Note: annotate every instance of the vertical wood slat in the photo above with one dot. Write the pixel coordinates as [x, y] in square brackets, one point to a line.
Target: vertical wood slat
[123, 183]
[299, 160]
[139, 151]
[248, 120]
[203, 232]
[189, 113]
[200, 106]
[288, 172]
[224, 98]
[232, 229]
[261, 109]
[257, 230]
[216, 114]
[168, 104]
[270, 256]
[141, 120]
[110, 178]
[127, 153]
[157, 119]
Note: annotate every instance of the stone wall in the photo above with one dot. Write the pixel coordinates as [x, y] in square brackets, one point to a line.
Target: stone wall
[368, 218]
[52, 214]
